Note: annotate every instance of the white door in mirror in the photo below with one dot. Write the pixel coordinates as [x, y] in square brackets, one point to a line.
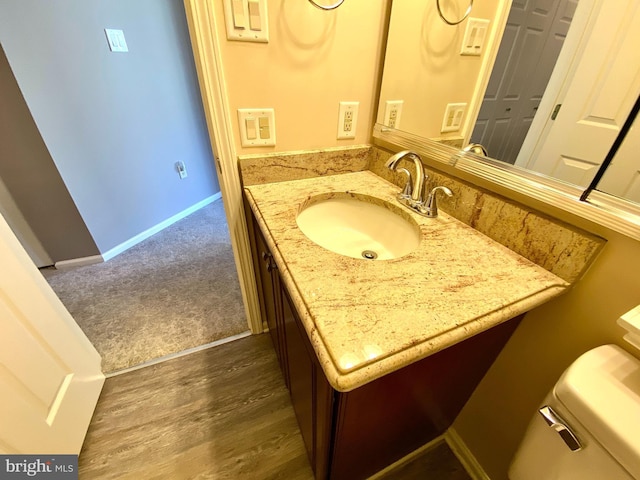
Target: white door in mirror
[597, 100]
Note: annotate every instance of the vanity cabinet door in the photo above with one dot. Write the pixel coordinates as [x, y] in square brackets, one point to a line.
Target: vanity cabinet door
[268, 291]
[311, 395]
[269, 280]
[301, 375]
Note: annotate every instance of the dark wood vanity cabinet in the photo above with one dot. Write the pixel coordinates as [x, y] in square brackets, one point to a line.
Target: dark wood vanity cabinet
[311, 394]
[269, 293]
[352, 435]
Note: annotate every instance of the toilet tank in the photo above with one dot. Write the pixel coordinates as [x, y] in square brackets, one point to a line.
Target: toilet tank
[598, 397]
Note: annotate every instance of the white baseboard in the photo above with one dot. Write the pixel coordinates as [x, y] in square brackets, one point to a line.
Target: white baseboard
[468, 460]
[78, 262]
[118, 249]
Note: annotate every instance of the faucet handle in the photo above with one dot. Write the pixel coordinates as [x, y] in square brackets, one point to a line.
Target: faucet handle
[431, 205]
[408, 188]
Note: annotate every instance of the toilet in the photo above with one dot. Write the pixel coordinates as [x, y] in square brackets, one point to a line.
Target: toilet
[588, 426]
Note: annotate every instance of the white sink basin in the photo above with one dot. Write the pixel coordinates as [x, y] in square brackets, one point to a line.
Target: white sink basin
[358, 226]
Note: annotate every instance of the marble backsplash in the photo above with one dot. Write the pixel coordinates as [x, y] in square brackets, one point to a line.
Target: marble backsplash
[554, 245]
[281, 167]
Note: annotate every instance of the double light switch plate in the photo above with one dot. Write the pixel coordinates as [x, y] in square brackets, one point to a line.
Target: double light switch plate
[257, 127]
[246, 20]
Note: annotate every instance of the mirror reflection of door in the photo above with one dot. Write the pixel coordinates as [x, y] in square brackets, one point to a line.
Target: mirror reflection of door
[622, 177]
[532, 40]
[596, 100]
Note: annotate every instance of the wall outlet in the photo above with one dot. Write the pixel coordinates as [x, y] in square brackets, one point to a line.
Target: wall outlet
[347, 119]
[392, 112]
[453, 115]
[182, 169]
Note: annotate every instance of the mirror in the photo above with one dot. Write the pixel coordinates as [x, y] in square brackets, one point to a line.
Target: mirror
[563, 129]
[622, 177]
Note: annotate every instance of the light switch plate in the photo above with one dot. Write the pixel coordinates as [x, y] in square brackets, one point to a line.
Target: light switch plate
[246, 20]
[116, 40]
[453, 115]
[474, 36]
[263, 120]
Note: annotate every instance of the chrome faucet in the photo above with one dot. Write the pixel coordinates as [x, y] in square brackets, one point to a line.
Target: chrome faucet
[412, 195]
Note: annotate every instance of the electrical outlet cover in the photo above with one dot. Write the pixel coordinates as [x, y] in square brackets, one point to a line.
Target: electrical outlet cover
[474, 36]
[347, 119]
[453, 115]
[246, 20]
[182, 169]
[263, 121]
[116, 40]
[392, 113]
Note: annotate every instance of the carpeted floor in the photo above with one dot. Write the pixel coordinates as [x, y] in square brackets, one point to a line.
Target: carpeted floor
[176, 290]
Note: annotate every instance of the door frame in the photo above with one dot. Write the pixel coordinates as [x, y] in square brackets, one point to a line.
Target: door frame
[213, 90]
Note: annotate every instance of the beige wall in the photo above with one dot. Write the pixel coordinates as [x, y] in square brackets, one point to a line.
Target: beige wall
[548, 340]
[423, 65]
[314, 60]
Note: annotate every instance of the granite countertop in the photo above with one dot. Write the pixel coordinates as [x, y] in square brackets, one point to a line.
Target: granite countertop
[366, 318]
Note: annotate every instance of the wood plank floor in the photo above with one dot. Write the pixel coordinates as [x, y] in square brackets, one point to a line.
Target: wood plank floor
[221, 413]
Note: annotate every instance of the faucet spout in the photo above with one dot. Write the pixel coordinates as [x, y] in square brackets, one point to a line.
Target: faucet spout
[417, 197]
[412, 196]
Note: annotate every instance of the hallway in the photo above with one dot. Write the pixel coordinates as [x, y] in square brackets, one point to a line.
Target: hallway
[174, 291]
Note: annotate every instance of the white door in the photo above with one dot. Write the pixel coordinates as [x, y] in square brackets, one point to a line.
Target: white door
[50, 376]
[598, 99]
[622, 177]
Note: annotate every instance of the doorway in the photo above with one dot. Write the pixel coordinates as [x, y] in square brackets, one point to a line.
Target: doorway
[148, 189]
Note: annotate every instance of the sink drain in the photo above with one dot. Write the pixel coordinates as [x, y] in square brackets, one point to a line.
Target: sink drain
[369, 255]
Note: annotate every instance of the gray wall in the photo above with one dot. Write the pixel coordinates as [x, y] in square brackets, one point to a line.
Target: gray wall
[114, 123]
[31, 177]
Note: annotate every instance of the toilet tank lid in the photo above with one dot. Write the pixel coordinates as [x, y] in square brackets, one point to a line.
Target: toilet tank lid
[602, 390]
